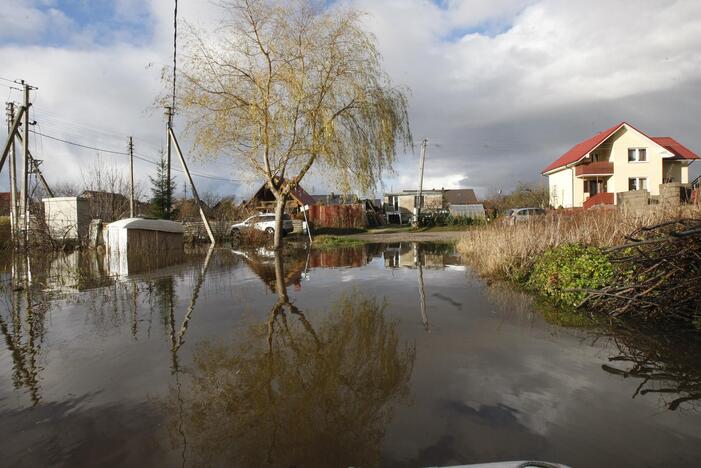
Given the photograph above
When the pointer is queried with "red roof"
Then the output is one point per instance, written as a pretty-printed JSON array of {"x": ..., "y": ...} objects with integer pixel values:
[
  {"x": 580, "y": 150},
  {"x": 672, "y": 145}
]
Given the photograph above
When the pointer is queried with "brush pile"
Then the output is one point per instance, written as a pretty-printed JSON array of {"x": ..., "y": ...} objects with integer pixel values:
[{"x": 658, "y": 275}]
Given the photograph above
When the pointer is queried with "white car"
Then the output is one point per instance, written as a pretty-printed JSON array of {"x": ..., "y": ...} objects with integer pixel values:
[
  {"x": 263, "y": 222},
  {"x": 520, "y": 215}
]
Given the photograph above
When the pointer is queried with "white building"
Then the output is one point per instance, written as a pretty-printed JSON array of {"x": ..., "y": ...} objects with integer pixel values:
[{"x": 616, "y": 160}]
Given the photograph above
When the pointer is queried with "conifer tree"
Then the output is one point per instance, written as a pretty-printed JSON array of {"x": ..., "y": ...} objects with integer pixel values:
[{"x": 162, "y": 190}]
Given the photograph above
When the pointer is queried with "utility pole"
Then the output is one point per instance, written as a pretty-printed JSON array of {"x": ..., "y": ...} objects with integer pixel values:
[
  {"x": 195, "y": 196},
  {"x": 25, "y": 169},
  {"x": 13, "y": 170},
  {"x": 169, "y": 128},
  {"x": 131, "y": 177},
  {"x": 419, "y": 202},
  {"x": 34, "y": 169},
  {"x": 35, "y": 163}
]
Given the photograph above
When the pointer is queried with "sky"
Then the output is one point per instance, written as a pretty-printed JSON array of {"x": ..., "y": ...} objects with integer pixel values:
[{"x": 500, "y": 88}]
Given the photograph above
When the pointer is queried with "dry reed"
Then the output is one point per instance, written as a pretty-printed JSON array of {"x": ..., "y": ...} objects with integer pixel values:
[{"x": 498, "y": 250}]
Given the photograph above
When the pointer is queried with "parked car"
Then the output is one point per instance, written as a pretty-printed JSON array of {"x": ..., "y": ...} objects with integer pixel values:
[
  {"x": 263, "y": 222},
  {"x": 520, "y": 215}
]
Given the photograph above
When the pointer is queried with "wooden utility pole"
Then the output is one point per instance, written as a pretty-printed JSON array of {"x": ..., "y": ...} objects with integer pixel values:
[
  {"x": 195, "y": 196},
  {"x": 25, "y": 168},
  {"x": 131, "y": 177},
  {"x": 419, "y": 202},
  {"x": 13, "y": 170}
]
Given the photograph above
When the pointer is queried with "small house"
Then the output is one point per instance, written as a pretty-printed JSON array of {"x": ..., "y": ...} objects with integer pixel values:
[
  {"x": 264, "y": 201},
  {"x": 399, "y": 206}
]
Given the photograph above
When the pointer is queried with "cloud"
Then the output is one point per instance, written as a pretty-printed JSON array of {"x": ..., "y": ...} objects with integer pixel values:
[
  {"x": 502, "y": 106},
  {"x": 500, "y": 88}
]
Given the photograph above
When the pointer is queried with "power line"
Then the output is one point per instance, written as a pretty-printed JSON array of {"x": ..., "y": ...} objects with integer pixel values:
[
  {"x": 125, "y": 153},
  {"x": 102, "y": 150}
]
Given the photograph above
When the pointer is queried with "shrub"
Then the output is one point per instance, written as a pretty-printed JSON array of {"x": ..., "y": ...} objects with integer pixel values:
[
  {"x": 252, "y": 237},
  {"x": 5, "y": 235},
  {"x": 563, "y": 272}
]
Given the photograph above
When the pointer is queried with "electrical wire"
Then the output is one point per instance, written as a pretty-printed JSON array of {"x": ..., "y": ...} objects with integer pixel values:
[
  {"x": 140, "y": 157},
  {"x": 102, "y": 150}
]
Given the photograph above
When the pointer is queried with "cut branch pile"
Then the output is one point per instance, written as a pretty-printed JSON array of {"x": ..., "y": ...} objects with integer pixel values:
[{"x": 658, "y": 275}]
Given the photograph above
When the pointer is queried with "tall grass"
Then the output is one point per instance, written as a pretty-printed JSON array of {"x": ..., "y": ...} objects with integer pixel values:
[{"x": 498, "y": 250}]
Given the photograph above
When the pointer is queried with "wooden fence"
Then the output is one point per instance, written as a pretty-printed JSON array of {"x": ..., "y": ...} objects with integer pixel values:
[{"x": 338, "y": 216}]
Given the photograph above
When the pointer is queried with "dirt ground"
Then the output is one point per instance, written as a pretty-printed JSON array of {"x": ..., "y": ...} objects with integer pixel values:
[{"x": 408, "y": 236}]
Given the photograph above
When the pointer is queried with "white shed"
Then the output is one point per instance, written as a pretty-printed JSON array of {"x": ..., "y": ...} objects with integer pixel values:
[
  {"x": 138, "y": 244},
  {"x": 67, "y": 217}
]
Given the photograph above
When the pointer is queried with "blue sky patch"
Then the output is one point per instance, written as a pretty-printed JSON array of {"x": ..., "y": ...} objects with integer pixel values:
[{"x": 81, "y": 23}]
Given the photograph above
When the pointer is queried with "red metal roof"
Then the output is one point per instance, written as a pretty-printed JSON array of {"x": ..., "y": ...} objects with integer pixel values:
[
  {"x": 580, "y": 150},
  {"x": 672, "y": 145}
]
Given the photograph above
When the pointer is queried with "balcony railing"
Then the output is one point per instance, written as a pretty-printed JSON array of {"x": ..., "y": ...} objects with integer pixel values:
[
  {"x": 598, "y": 168},
  {"x": 603, "y": 198}
]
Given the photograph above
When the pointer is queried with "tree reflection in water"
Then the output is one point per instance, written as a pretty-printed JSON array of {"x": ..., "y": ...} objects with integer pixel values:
[
  {"x": 298, "y": 395},
  {"x": 668, "y": 366}
]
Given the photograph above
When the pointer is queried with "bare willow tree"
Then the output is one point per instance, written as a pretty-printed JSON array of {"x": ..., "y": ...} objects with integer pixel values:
[{"x": 284, "y": 86}]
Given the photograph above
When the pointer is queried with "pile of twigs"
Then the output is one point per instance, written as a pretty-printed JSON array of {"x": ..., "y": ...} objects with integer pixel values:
[{"x": 659, "y": 274}]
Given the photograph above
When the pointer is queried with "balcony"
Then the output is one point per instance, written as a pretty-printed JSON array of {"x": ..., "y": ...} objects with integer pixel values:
[{"x": 598, "y": 168}]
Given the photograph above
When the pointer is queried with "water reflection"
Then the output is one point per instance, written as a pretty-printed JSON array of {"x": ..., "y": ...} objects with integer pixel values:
[
  {"x": 418, "y": 254},
  {"x": 320, "y": 377},
  {"x": 293, "y": 393},
  {"x": 668, "y": 366}
]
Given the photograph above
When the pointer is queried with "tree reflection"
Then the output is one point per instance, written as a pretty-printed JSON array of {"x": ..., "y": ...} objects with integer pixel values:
[
  {"x": 295, "y": 394},
  {"x": 668, "y": 366}
]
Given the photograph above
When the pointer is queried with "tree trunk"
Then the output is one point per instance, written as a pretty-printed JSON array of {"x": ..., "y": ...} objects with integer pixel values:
[{"x": 279, "y": 212}]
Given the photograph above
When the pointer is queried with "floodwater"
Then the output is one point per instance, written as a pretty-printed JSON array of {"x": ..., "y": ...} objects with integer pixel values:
[{"x": 382, "y": 355}]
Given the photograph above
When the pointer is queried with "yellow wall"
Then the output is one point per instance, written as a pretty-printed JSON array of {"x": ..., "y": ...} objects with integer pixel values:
[{"x": 623, "y": 169}]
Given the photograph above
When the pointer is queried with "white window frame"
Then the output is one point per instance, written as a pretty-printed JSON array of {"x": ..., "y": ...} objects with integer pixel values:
[
  {"x": 639, "y": 184},
  {"x": 637, "y": 155}
]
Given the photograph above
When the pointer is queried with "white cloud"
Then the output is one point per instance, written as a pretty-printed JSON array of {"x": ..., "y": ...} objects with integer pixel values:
[{"x": 500, "y": 88}]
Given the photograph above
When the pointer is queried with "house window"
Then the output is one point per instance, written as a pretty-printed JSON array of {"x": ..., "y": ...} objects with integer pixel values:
[
  {"x": 637, "y": 155},
  {"x": 637, "y": 183},
  {"x": 418, "y": 203}
]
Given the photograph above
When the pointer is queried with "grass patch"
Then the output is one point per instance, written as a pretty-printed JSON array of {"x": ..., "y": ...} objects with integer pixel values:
[
  {"x": 329, "y": 231},
  {"x": 497, "y": 250},
  {"x": 331, "y": 242}
]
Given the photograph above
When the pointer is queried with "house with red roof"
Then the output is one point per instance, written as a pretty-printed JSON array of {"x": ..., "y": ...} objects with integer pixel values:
[{"x": 619, "y": 159}]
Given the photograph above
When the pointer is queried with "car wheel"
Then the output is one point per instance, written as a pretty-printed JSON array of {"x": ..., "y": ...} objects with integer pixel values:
[
  {"x": 270, "y": 230},
  {"x": 235, "y": 232}
]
